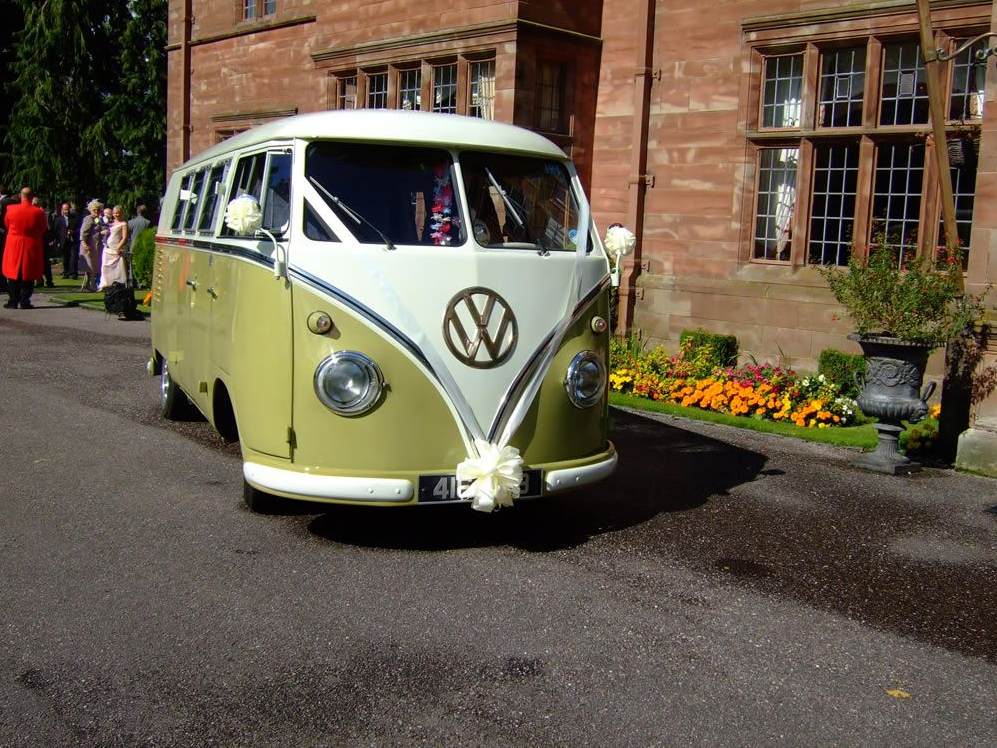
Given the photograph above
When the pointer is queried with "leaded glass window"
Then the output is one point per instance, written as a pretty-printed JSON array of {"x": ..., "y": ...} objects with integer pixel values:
[
  {"x": 377, "y": 91},
  {"x": 445, "y": 88},
  {"x": 836, "y": 170},
  {"x": 410, "y": 89},
  {"x": 782, "y": 91},
  {"x": 776, "y": 203},
  {"x": 842, "y": 86},
  {"x": 348, "y": 92},
  {"x": 482, "y": 79},
  {"x": 550, "y": 92},
  {"x": 905, "y": 89},
  {"x": 968, "y": 78},
  {"x": 896, "y": 204}
]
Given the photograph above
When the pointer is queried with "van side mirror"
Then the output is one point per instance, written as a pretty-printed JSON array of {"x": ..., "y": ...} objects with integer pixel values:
[{"x": 279, "y": 258}]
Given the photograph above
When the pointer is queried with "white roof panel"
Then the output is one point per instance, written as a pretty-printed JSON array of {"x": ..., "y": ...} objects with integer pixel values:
[{"x": 391, "y": 126}]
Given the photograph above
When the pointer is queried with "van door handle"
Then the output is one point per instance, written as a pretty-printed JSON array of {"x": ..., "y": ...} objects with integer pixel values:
[{"x": 192, "y": 283}]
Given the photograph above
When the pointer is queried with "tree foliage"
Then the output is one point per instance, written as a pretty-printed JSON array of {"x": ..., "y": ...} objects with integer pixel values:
[
  {"x": 88, "y": 99},
  {"x": 137, "y": 109}
]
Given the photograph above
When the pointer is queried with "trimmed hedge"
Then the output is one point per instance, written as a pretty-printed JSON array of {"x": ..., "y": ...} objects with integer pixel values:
[
  {"x": 723, "y": 348},
  {"x": 143, "y": 257},
  {"x": 840, "y": 367}
]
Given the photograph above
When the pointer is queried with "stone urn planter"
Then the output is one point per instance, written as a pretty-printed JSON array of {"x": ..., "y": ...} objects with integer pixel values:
[{"x": 891, "y": 392}]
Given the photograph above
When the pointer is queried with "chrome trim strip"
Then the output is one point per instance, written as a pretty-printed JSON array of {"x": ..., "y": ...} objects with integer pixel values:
[
  {"x": 309, "y": 486},
  {"x": 511, "y": 396},
  {"x": 561, "y": 480}
]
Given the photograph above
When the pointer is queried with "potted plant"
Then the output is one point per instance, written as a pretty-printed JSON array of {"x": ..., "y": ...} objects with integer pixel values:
[{"x": 903, "y": 307}]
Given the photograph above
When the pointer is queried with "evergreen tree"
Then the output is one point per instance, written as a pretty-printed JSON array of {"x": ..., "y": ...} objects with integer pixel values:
[
  {"x": 65, "y": 76},
  {"x": 9, "y": 31},
  {"x": 137, "y": 111}
]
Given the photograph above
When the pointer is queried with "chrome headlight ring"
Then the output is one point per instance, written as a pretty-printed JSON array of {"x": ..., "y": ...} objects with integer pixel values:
[
  {"x": 585, "y": 381},
  {"x": 348, "y": 383}
]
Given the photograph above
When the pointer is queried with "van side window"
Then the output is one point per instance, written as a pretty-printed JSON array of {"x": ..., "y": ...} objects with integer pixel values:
[
  {"x": 194, "y": 200},
  {"x": 248, "y": 180},
  {"x": 212, "y": 190},
  {"x": 181, "y": 203},
  {"x": 277, "y": 196},
  {"x": 315, "y": 227}
]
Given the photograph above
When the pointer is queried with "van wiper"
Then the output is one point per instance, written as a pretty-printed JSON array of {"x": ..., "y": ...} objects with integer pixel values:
[
  {"x": 352, "y": 214},
  {"x": 511, "y": 207}
]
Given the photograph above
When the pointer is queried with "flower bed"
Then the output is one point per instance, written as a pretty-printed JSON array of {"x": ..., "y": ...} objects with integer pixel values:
[{"x": 757, "y": 391}]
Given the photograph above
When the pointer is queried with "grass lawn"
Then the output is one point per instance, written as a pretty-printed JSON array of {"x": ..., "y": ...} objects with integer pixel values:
[
  {"x": 68, "y": 292},
  {"x": 848, "y": 436}
]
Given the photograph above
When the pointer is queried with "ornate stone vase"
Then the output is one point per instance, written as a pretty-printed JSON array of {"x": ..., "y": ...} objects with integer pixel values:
[{"x": 891, "y": 392}]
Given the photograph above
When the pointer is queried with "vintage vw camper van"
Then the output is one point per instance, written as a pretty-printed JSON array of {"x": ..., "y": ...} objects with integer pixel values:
[{"x": 387, "y": 308}]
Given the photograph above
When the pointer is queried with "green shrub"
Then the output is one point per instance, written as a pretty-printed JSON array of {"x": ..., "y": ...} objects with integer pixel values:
[
  {"x": 840, "y": 368},
  {"x": 919, "y": 440},
  {"x": 722, "y": 348},
  {"x": 143, "y": 257}
]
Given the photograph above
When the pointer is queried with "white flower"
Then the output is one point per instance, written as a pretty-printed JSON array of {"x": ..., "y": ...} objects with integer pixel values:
[
  {"x": 821, "y": 378},
  {"x": 619, "y": 241},
  {"x": 243, "y": 215},
  {"x": 495, "y": 476}
]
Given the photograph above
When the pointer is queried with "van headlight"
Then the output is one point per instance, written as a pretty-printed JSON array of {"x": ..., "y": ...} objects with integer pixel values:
[
  {"x": 348, "y": 383},
  {"x": 586, "y": 379}
]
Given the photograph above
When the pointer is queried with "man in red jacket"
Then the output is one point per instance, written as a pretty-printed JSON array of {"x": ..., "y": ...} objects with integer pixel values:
[{"x": 24, "y": 252}]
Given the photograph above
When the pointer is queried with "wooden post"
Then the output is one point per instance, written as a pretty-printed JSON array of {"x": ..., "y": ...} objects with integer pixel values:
[{"x": 936, "y": 108}]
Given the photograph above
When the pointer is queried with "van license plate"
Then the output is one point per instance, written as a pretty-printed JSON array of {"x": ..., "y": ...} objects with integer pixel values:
[{"x": 443, "y": 488}]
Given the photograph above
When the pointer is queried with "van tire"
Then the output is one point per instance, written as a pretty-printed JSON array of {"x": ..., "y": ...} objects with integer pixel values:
[
  {"x": 261, "y": 502},
  {"x": 173, "y": 403}
]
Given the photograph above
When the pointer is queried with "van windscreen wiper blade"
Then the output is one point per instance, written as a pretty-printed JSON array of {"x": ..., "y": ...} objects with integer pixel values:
[
  {"x": 351, "y": 213},
  {"x": 513, "y": 212}
]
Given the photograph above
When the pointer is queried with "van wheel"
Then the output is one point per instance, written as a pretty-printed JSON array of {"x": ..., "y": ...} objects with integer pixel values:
[
  {"x": 173, "y": 403},
  {"x": 263, "y": 503}
]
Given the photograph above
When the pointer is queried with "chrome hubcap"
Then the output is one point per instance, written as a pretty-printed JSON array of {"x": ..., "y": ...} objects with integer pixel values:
[{"x": 164, "y": 383}]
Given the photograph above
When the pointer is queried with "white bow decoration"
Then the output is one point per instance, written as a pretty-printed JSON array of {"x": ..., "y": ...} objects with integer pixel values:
[
  {"x": 619, "y": 242},
  {"x": 243, "y": 215},
  {"x": 495, "y": 476}
]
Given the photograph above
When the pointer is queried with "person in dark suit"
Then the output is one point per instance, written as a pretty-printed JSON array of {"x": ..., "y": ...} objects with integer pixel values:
[
  {"x": 48, "y": 242},
  {"x": 66, "y": 225},
  {"x": 137, "y": 225}
]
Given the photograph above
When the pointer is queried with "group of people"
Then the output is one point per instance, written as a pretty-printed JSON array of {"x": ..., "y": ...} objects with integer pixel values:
[{"x": 95, "y": 245}]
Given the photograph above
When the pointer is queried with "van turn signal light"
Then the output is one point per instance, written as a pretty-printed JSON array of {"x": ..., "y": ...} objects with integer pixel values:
[{"x": 319, "y": 323}]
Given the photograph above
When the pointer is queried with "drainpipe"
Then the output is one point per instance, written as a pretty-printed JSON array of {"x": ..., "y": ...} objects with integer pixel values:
[
  {"x": 639, "y": 180},
  {"x": 187, "y": 24}
]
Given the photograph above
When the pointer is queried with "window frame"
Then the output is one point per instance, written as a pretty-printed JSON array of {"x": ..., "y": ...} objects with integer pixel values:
[
  {"x": 868, "y": 135},
  {"x": 257, "y": 10}
]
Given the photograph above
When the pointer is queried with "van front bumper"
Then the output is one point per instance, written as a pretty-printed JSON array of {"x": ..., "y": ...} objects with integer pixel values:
[{"x": 332, "y": 488}]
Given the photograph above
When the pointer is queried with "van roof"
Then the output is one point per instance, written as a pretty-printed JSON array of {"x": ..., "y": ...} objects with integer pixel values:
[{"x": 390, "y": 126}]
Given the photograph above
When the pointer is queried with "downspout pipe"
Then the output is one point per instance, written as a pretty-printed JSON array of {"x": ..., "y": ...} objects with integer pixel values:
[
  {"x": 639, "y": 180},
  {"x": 187, "y": 24}
]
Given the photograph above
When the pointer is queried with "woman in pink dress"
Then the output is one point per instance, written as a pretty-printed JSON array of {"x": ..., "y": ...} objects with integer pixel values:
[
  {"x": 90, "y": 245},
  {"x": 113, "y": 268}
]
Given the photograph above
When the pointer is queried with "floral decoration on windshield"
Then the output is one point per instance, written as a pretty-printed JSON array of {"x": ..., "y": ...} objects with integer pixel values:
[{"x": 442, "y": 206}]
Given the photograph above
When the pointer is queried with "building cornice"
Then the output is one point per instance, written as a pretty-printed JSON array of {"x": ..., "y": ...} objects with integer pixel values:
[
  {"x": 253, "y": 28},
  {"x": 846, "y": 13},
  {"x": 447, "y": 35}
]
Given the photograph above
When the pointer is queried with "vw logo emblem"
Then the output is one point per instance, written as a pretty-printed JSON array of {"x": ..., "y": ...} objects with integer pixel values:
[{"x": 479, "y": 328}]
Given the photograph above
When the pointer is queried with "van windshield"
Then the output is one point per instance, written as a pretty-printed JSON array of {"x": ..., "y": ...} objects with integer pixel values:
[
  {"x": 385, "y": 194},
  {"x": 519, "y": 201}
]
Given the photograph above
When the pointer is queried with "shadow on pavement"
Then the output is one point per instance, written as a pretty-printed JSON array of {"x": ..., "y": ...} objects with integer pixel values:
[{"x": 662, "y": 469}]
